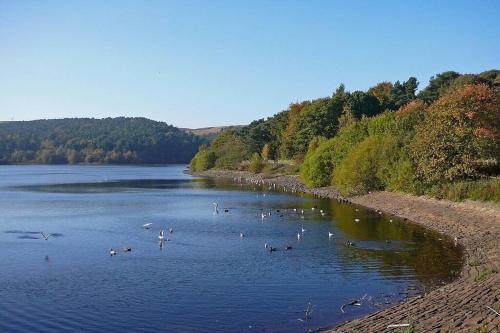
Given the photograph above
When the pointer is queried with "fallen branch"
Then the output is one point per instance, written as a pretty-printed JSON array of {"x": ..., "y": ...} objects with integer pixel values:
[
  {"x": 398, "y": 325},
  {"x": 498, "y": 314}
]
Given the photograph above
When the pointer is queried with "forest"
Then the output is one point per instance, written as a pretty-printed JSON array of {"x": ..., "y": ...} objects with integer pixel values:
[
  {"x": 85, "y": 140},
  {"x": 442, "y": 140}
]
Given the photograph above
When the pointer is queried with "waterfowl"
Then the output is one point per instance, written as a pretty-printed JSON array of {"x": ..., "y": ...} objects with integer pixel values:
[
  {"x": 266, "y": 245},
  {"x": 241, "y": 235},
  {"x": 322, "y": 214},
  {"x": 127, "y": 249},
  {"x": 160, "y": 235},
  {"x": 271, "y": 249},
  {"x": 298, "y": 236},
  {"x": 330, "y": 235},
  {"x": 263, "y": 216},
  {"x": 112, "y": 252},
  {"x": 388, "y": 241},
  {"x": 171, "y": 231},
  {"x": 303, "y": 230},
  {"x": 46, "y": 237},
  {"x": 216, "y": 207},
  {"x": 288, "y": 247},
  {"x": 147, "y": 225},
  {"x": 356, "y": 220},
  {"x": 349, "y": 243},
  {"x": 226, "y": 210}
]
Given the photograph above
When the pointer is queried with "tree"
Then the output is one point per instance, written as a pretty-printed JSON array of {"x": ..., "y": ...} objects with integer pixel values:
[
  {"x": 460, "y": 130},
  {"x": 403, "y": 93},
  {"x": 265, "y": 152},
  {"x": 437, "y": 86}
]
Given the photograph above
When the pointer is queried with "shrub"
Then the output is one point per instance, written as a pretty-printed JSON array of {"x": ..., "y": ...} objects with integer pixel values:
[
  {"x": 255, "y": 163},
  {"x": 203, "y": 160}
]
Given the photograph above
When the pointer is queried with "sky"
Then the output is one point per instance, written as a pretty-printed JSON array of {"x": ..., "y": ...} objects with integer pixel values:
[{"x": 214, "y": 62}]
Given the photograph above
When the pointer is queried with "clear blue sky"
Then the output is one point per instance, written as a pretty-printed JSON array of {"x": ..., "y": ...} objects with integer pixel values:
[{"x": 205, "y": 63}]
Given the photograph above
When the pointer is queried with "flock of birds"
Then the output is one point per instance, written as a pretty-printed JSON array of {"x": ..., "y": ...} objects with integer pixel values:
[
  {"x": 161, "y": 239},
  {"x": 268, "y": 247},
  {"x": 300, "y": 234}
]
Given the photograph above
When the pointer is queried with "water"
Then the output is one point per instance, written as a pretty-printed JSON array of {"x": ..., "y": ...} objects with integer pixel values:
[{"x": 206, "y": 278}]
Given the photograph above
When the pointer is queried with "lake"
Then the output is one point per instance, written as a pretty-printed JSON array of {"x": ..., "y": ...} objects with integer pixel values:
[{"x": 206, "y": 278}]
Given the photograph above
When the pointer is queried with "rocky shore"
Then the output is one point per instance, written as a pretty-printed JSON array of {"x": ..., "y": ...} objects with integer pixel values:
[{"x": 471, "y": 303}]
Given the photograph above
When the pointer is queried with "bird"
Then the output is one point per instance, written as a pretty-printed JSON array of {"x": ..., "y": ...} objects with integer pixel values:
[
  {"x": 295, "y": 209},
  {"x": 112, "y": 252},
  {"x": 330, "y": 235},
  {"x": 322, "y": 213},
  {"x": 216, "y": 207},
  {"x": 171, "y": 230},
  {"x": 356, "y": 220},
  {"x": 313, "y": 208},
  {"x": 160, "y": 236},
  {"x": 226, "y": 210},
  {"x": 387, "y": 241},
  {"x": 45, "y": 236},
  {"x": 288, "y": 247},
  {"x": 266, "y": 245},
  {"x": 303, "y": 230},
  {"x": 321, "y": 210},
  {"x": 302, "y": 211},
  {"x": 349, "y": 243},
  {"x": 147, "y": 225},
  {"x": 271, "y": 249},
  {"x": 127, "y": 249},
  {"x": 390, "y": 221},
  {"x": 298, "y": 236},
  {"x": 241, "y": 235},
  {"x": 263, "y": 216}
]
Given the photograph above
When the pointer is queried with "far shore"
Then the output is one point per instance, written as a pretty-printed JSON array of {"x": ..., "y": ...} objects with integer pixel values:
[{"x": 467, "y": 304}]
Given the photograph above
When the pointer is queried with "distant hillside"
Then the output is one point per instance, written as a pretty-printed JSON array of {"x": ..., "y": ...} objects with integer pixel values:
[
  {"x": 87, "y": 140},
  {"x": 209, "y": 133}
]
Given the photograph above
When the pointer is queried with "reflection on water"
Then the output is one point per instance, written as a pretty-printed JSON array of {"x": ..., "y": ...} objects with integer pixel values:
[{"x": 206, "y": 278}]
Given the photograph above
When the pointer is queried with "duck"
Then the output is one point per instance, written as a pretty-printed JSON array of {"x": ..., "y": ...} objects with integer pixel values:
[
  {"x": 127, "y": 249},
  {"x": 147, "y": 225},
  {"x": 112, "y": 252},
  {"x": 271, "y": 249},
  {"x": 349, "y": 243},
  {"x": 288, "y": 247}
]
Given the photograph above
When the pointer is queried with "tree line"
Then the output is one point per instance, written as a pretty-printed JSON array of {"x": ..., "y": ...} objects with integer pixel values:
[
  {"x": 87, "y": 140},
  {"x": 443, "y": 140}
]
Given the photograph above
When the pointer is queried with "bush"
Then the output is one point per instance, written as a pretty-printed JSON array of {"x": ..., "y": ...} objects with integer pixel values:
[
  {"x": 357, "y": 173},
  {"x": 203, "y": 160},
  {"x": 255, "y": 163},
  {"x": 479, "y": 190}
]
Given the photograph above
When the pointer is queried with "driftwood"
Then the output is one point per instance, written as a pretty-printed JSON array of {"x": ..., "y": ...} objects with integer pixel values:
[
  {"x": 498, "y": 314},
  {"x": 398, "y": 325},
  {"x": 355, "y": 302}
]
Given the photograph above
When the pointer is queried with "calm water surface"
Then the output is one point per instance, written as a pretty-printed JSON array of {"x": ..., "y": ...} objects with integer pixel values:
[{"x": 206, "y": 278}]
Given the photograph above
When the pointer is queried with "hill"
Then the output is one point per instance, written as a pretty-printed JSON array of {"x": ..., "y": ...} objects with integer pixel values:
[
  {"x": 209, "y": 133},
  {"x": 88, "y": 140}
]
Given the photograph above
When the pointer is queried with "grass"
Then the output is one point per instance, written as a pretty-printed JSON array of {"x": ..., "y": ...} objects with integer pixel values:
[
  {"x": 485, "y": 274},
  {"x": 474, "y": 263},
  {"x": 478, "y": 190},
  {"x": 409, "y": 329}
]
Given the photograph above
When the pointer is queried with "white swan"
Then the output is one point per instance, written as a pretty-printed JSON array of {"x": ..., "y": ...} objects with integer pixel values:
[{"x": 147, "y": 225}]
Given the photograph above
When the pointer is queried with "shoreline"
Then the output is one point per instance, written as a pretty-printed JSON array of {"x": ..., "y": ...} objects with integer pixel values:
[{"x": 459, "y": 306}]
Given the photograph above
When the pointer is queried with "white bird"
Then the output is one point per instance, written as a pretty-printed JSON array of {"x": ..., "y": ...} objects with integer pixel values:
[
  {"x": 303, "y": 230},
  {"x": 112, "y": 252},
  {"x": 161, "y": 236},
  {"x": 263, "y": 215},
  {"x": 302, "y": 211},
  {"x": 298, "y": 236},
  {"x": 216, "y": 207},
  {"x": 241, "y": 235},
  {"x": 356, "y": 220},
  {"x": 266, "y": 245},
  {"x": 321, "y": 210},
  {"x": 147, "y": 225},
  {"x": 390, "y": 221},
  {"x": 313, "y": 208},
  {"x": 295, "y": 209},
  {"x": 322, "y": 214},
  {"x": 330, "y": 235}
]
